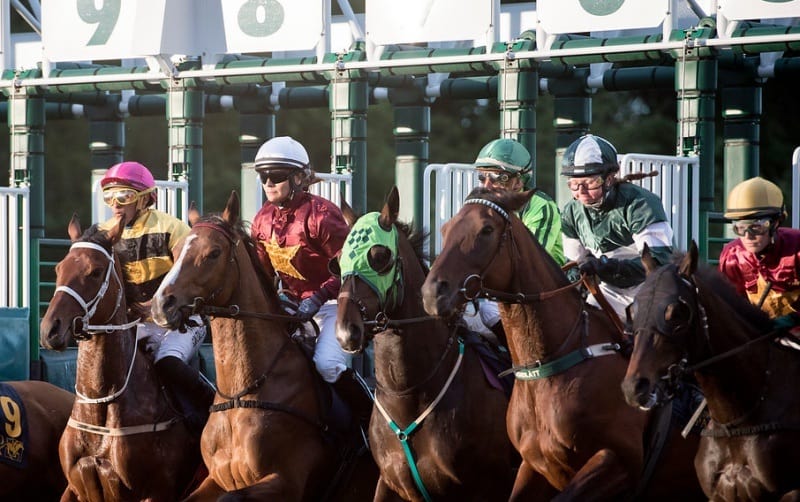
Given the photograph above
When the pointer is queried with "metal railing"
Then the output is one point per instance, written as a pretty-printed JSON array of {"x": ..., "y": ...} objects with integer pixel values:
[
  {"x": 172, "y": 198},
  {"x": 447, "y": 185},
  {"x": 15, "y": 246}
]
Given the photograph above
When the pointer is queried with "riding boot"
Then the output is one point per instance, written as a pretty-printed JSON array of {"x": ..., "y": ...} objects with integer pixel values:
[
  {"x": 355, "y": 393},
  {"x": 192, "y": 392},
  {"x": 500, "y": 333}
]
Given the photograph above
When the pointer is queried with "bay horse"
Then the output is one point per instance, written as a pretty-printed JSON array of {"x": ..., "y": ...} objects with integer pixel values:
[
  {"x": 35, "y": 417},
  {"x": 430, "y": 388},
  {"x": 689, "y": 320},
  {"x": 578, "y": 438},
  {"x": 267, "y": 436},
  {"x": 124, "y": 439}
]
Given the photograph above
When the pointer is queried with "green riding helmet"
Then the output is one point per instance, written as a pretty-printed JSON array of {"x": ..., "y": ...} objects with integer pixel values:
[
  {"x": 589, "y": 155},
  {"x": 507, "y": 155}
]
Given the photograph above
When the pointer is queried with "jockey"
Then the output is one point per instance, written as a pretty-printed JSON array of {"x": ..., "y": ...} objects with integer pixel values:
[
  {"x": 505, "y": 164},
  {"x": 145, "y": 252},
  {"x": 607, "y": 223},
  {"x": 762, "y": 262},
  {"x": 299, "y": 233}
]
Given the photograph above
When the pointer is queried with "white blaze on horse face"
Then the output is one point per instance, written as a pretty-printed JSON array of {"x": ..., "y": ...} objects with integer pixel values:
[{"x": 175, "y": 271}]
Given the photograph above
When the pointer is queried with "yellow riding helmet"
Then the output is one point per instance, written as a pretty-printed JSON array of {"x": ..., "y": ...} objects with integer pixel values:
[{"x": 754, "y": 198}]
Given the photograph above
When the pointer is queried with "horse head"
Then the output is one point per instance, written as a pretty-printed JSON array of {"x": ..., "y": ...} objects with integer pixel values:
[
  {"x": 380, "y": 267},
  {"x": 89, "y": 288},
  {"x": 475, "y": 240},
  {"x": 207, "y": 267}
]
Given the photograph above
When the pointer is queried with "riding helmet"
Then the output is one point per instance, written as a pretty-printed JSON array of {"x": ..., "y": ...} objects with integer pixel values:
[
  {"x": 504, "y": 154},
  {"x": 589, "y": 155},
  {"x": 282, "y": 152},
  {"x": 130, "y": 174},
  {"x": 755, "y": 198}
]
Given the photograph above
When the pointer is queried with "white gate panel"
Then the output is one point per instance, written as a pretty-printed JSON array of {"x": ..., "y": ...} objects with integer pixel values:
[{"x": 15, "y": 241}]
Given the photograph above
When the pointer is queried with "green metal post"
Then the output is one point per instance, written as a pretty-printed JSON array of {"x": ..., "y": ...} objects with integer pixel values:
[
  {"x": 106, "y": 133},
  {"x": 741, "y": 112},
  {"x": 572, "y": 117},
  {"x": 412, "y": 130},
  {"x": 256, "y": 125},
  {"x": 517, "y": 92},
  {"x": 185, "y": 113},
  {"x": 348, "y": 101},
  {"x": 696, "y": 84},
  {"x": 26, "y": 121}
]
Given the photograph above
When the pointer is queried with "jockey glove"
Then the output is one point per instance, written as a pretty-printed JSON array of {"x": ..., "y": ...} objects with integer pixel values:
[
  {"x": 310, "y": 306},
  {"x": 604, "y": 268}
]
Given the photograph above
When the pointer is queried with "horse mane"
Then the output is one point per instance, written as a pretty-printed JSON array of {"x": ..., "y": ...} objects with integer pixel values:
[
  {"x": 711, "y": 279},
  {"x": 95, "y": 235},
  {"x": 417, "y": 240}
]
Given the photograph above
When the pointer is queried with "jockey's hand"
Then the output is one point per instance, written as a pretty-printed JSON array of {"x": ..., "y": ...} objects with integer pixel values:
[
  {"x": 604, "y": 268},
  {"x": 309, "y": 307}
]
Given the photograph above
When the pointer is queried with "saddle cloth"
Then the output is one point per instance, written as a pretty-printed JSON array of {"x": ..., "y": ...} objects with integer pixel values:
[{"x": 13, "y": 429}]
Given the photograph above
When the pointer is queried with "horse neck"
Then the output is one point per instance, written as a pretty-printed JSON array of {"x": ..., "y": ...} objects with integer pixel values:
[
  {"x": 735, "y": 385},
  {"x": 539, "y": 329},
  {"x": 245, "y": 346},
  {"x": 406, "y": 356}
]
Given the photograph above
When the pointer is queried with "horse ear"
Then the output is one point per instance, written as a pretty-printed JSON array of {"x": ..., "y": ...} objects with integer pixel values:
[
  {"x": 650, "y": 264},
  {"x": 688, "y": 264},
  {"x": 194, "y": 214},
  {"x": 231, "y": 212},
  {"x": 390, "y": 209},
  {"x": 74, "y": 228},
  {"x": 115, "y": 233},
  {"x": 348, "y": 213}
]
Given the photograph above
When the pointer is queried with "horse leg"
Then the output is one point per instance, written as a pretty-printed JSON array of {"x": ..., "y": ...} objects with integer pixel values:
[
  {"x": 385, "y": 494},
  {"x": 792, "y": 496},
  {"x": 603, "y": 477},
  {"x": 530, "y": 485},
  {"x": 69, "y": 496},
  {"x": 207, "y": 490},
  {"x": 271, "y": 487}
]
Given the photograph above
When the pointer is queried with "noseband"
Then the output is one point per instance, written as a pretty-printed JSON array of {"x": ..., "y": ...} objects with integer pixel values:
[{"x": 82, "y": 329}]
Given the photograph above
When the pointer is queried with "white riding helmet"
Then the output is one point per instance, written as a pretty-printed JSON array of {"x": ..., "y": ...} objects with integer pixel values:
[{"x": 282, "y": 152}]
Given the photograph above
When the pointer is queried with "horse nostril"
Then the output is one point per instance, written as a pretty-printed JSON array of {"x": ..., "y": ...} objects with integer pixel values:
[{"x": 442, "y": 287}]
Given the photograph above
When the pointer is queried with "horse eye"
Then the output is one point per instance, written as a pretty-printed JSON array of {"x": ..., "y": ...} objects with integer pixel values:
[
  {"x": 96, "y": 273},
  {"x": 487, "y": 230},
  {"x": 214, "y": 254},
  {"x": 380, "y": 259},
  {"x": 676, "y": 313}
]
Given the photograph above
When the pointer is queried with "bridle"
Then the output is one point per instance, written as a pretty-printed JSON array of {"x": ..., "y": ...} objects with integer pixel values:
[{"x": 82, "y": 329}]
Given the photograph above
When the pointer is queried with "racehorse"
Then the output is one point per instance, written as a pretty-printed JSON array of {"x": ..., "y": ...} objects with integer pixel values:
[
  {"x": 454, "y": 444},
  {"x": 31, "y": 428},
  {"x": 567, "y": 416},
  {"x": 268, "y": 434},
  {"x": 124, "y": 439},
  {"x": 689, "y": 319}
]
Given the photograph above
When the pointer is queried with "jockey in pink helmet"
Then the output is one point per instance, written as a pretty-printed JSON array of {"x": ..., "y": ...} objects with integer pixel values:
[{"x": 145, "y": 251}]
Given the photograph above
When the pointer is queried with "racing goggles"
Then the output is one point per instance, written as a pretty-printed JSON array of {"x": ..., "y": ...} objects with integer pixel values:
[
  {"x": 275, "y": 176},
  {"x": 752, "y": 227},
  {"x": 495, "y": 178},
  {"x": 592, "y": 183},
  {"x": 122, "y": 196}
]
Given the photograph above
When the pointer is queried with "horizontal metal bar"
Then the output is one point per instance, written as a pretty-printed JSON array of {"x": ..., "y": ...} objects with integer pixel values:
[{"x": 541, "y": 55}]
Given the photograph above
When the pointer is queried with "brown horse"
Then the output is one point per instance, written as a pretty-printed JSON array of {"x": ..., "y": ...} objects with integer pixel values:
[
  {"x": 687, "y": 315},
  {"x": 567, "y": 417},
  {"x": 455, "y": 445},
  {"x": 46, "y": 410},
  {"x": 124, "y": 441},
  {"x": 267, "y": 436}
]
